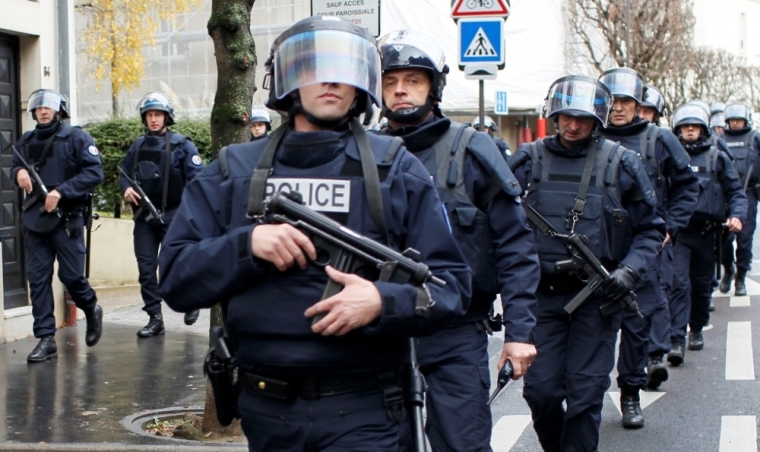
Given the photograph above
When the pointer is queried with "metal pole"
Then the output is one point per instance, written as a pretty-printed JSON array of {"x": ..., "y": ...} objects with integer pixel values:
[
  {"x": 482, "y": 106},
  {"x": 628, "y": 33}
]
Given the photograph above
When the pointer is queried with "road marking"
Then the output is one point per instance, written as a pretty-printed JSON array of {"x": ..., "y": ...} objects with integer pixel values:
[
  {"x": 753, "y": 288},
  {"x": 740, "y": 364},
  {"x": 738, "y": 434},
  {"x": 647, "y": 398},
  {"x": 740, "y": 302},
  {"x": 507, "y": 431}
]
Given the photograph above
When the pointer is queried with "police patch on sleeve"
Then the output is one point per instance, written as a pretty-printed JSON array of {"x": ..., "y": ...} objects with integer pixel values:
[
  {"x": 196, "y": 160},
  {"x": 93, "y": 150}
]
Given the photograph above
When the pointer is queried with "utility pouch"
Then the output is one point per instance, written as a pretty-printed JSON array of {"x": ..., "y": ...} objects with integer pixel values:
[
  {"x": 219, "y": 370},
  {"x": 619, "y": 233},
  {"x": 74, "y": 224}
]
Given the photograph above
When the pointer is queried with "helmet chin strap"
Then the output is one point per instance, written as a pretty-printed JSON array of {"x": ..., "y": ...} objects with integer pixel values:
[
  {"x": 409, "y": 115},
  {"x": 297, "y": 108}
]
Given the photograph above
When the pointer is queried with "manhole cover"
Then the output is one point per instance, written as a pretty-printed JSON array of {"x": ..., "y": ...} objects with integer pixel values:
[{"x": 136, "y": 423}]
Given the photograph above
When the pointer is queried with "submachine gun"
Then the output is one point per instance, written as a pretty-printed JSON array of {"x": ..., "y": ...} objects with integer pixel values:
[
  {"x": 145, "y": 202},
  {"x": 39, "y": 190},
  {"x": 588, "y": 267},
  {"x": 347, "y": 251}
]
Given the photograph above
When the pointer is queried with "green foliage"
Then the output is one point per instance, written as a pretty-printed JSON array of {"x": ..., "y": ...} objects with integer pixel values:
[{"x": 115, "y": 136}]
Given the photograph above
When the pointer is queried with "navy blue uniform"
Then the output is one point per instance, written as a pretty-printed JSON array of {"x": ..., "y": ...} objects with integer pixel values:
[
  {"x": 576, "y": 353},
  {"x": 207, "y": 259},
  {"x": 694, "y": 251},
  {"x": 744, "y": 158},
  {"x": 145, "y": 163},
  {"x": 504, "y": 261},
  {"x": 71, "y": 167},
  {"x": 667, "y": 165},
  {"x": 503, "y": 147}
]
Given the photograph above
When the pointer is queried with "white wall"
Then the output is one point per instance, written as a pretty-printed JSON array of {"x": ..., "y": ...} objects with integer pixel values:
[{"x": 719, "y": 25}]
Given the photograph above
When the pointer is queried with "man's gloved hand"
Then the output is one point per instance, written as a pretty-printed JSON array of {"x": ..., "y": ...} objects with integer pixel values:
[{"x": 621, "y": 281}]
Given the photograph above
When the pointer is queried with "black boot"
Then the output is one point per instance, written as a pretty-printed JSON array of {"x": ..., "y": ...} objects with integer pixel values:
[
  {"x": 696, "y": 341},
  {"x": 94, "y": 325},
  {"x": 155, "y": 326},
  {"x": 676, "y": 354},
  {"x": 633, "y": 416},
  {"x": 741, "y": 289},
  {"x": 191, "y": 317},
  {"x": 725, "y": 281},
  {"x": 657, "y": 371},
  {"x": 44, "y": 350}
]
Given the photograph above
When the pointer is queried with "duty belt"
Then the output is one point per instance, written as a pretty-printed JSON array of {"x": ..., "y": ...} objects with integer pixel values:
[{"x": 308, "y": 388}]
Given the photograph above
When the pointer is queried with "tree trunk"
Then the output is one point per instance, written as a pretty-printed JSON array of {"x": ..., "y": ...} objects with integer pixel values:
[{"x": 230, "y": 28}]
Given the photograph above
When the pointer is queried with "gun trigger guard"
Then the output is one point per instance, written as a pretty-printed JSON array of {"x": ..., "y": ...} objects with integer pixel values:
[{"x": 424, "y": 301}]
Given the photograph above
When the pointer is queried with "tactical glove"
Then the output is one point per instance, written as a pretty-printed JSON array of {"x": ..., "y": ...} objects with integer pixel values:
[{"x": 620, "y": 282}]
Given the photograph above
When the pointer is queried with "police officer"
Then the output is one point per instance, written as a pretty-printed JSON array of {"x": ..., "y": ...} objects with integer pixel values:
[
  {"x": 491, "y": 127},
  {"x": 653, "y": 105},
  {"x": 260, "y": 122},
  {"x": 694, "y": 251},
  {"x": 489, "y": 224},
  {"x": 162, "y": 162},
  {"x": 68, "y": 164},
  {"x": 718, "y": 118},
  {"x": 667, "y": 164},
  {"x": 332, "y": 380},
  {"x": 561, "y": 174},
  {"x": 744, "y": 143}
]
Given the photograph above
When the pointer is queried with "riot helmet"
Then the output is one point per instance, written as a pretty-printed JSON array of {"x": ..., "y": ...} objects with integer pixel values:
[
  {"x": 718, "y": 120},
  {"x": 579, "y": 96},
  {"x": 624, "y": 82},
  {"x": 690, "y": 113},
  {"x": 409, "y": 49},
  {"x": 260, "y": 114},
  {"x": 701, "y": 104},
  {"x": 738, "y": 110},
  {"x": 653, "y": 98},
  {"x": 489, "y": 123},
  {"x": 156, "y": 101},
  {"x": 49, "y": 98},
  {"x": 323, "y": 49},
  {"x": 717, "y": 107}
]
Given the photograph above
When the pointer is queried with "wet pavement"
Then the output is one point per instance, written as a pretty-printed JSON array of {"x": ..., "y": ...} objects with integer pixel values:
[{"x": 80, "y": 398}]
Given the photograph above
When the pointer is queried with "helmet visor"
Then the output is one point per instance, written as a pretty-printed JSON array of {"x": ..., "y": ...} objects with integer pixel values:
[
  {"x": 579, "y": 97},
  {"x": 409, "y": 48},
  {"x": 154, "y": 101},
  {"x": 718, "y": 120},
  {"x": 624, "y": 84},
  {"x": 46, "y": 99},
  {"x": 327, "y": 56},
  {"x": 690, "y": 114},
  {"x": 653, "y": 98},
  {"x": 737, "y": 111}
]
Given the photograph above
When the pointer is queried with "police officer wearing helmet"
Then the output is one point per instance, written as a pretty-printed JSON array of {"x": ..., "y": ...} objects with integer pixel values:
[
  {"x": 718, "y": 118},
  {"x": 619, "y": 220},
  {"x": 482, "y": 200},
  {"x": 162, "y": 162},
  {"x": 653, "y": 105},
  {"x": 714, "y": 138},
  {"x": 667, "y": 165},
  {"x": 260, "y": 123},
  {"x": 744, "y": 143},
  {"x": 68, "y": 163},
  {"x": 491, "y": 127},
  {"x": 336, "y": 371},
  {"x": 694, "y": 251}
]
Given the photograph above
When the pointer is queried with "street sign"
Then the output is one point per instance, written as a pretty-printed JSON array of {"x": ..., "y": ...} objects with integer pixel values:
[
  {"x": 501, "y": 107},
  {"x": 480, "y": 71},
  {"x": 481, "y": 41},
  {"x": 480, "y": 8},
  {"x": 361, "y": 12}
]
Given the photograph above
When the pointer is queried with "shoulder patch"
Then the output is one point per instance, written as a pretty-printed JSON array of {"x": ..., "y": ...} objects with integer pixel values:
[
  {"x": 93, "y": 150},
  {"x": 197, "y": 160}
]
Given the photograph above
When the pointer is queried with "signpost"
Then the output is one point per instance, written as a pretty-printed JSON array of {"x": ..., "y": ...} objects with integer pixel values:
[
  {"x": 481, "y": 44},
  {"x": 361, "y": 12}
]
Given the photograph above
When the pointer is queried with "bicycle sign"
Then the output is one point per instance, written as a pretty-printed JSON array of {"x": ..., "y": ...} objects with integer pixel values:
[{"x": 480, "y": 8}]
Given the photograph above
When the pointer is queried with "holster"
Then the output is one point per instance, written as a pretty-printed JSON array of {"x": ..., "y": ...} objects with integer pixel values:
[{"x": 220, "y": 371}]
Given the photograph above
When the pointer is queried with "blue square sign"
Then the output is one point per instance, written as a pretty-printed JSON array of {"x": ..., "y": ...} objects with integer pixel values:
[
  {"x": 481, "y": 41},
  {"x": 501, "y": 107}
]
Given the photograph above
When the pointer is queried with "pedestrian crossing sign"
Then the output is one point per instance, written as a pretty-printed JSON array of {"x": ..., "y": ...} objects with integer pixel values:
[{"x": 481, "y": 41}]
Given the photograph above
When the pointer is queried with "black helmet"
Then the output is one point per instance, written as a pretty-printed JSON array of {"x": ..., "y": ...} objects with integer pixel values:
[
  {"x": 739, "y": 110},
  {"x": 579, "y": 96},
  {"x": 156, "y": 101},
  {"x": 49, "y": 98},
  {"x": 489, "y": 123},
  {"x": 653, "y": 98},
  {"x": 409, "y": 49},
  {"x": 323, "y": 49},
  {"x": 624, "y": 82},
  {"x": 690, "y": 113}
]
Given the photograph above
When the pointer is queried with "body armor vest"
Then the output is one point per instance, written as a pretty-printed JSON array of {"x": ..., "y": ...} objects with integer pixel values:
[
  {"x": 153, "y": 165},
  {"x": 745, "y": 156},
  {"x": 711, "y": 203}
]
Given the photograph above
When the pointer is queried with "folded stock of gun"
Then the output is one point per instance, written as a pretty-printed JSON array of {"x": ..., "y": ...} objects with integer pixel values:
[
  {"x": 145, "y": 202},
  {"x": 583, "y": 262}
]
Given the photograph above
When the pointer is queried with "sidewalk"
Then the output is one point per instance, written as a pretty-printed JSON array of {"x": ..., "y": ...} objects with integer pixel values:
[{"x": 77, "y": 401}]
